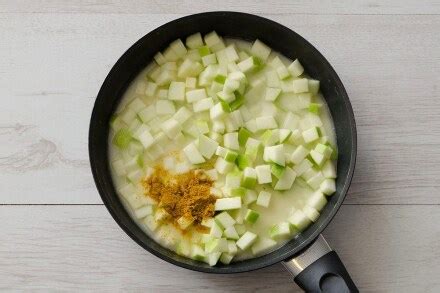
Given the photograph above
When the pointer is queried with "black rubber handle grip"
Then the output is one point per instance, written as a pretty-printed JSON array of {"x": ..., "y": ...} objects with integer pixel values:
[{"x": 327, "y": 274}]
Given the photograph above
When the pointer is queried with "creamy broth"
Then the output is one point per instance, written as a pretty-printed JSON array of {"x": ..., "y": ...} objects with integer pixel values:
[{"x": 282, "y": 203}]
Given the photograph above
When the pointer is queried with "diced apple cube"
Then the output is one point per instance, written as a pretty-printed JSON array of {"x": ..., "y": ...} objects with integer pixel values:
[
  {"x": 161, "y": 215},
  {"x": 284, "y": 135},
  {"x": 299, "y": 220},
  {"x": 217, "y": 111},
  {"x": 202, "y": 126},
  {"x": 311, "y": 213},
  {"x": 264, "y": 199},
  {"x": 143, "y": 211},
  {"x": 203, "y": 105},
  {"x": 316, "y": 180},
  {"x": 276, "y": 62},
  {"x": 212, "y": 39},
  {"x": 265, "y": 122},
  {"x": 150, "y": 223},
  {"x": 282, "y": 72},
  {"x": 272, "y": 94},
  {"x": 249, "y": 177},
  {"x": 287, "y": 87},
  {"x": 171, "y": 128},
  {"x": 231, "y": 53},
  {"x": 207, "y": 222},
  {"x": 221, "y": 56},
  {"x": 128, "y": 115},
  {"x": 147, "y": 114},
  {"x": 164, "y": 107},
  {"x": 159, "y": 58},
  {"x": 232, "y": 67},
  {"x": 228, "y": 155},
  {"x": 243, "y": 55},
  {"x": 299, "y": 155},
  {"x": 226, "y": 258},
  {"x": 178, "y": 48},
  {"x": 300, "y": 85},
  {"x": 264, "y": 174},
  {"x": 136, "y": 105},
  {"x": 286, "y": 180},
  {"x": 231, "y": 85},
  {"x": 191, "y": 82},
  {"x": 218, "y": 126},
  {"x": 303, "y": 167},
  {"x": 194, "y": 41},
  {"x": 216, "y": 230},
  {"x": 184, "y": 222},
  {"x": 213, "y": 258},
  {"x": 325, "y": 150},
  {"x": 182, "y": 115},
  {"x": 223, "y": 166},
  {"x": 304, "y": 100},
  {"x": 275, "y": 154},
  {"x": 233, "y": 179},
  {"x": 176, "y": 91},
  {"x": 207, "y": 146},
  {"x": 313, "y": 86},
  {"x": 189, "y": 68},
  {"x": 310, "y": 135},
  {"x": 193, "y": 154},
  {"x": 195, "y": 95},
  {"x": 230, "y": 140},
  {"x": 217, "y": 245},
  {"x": 251, "y": 216},
  {"x": 249, "y": 197},
  {"x": 225, "y": 220},
  {"x": 246, "y": 240},
  {"x": 232, "y": 247},
  {"x": 230, "y": 203},
  {"x": 171, "y": 66},
  {"x": 260, "y": 50},
  {"x": 248, "y": 64},
  {"x": 329, "y": 170},
  {"x": 227, "y": 97},
  {"x": 209, "y": 59},
  {"x": 318, "y": 158},
  {"x": 146, "y": 138},
  {"x": 328, "y": 186},
  {"x": 165, "y": 77},
  {"x": 295, "y": 68},
  {"x": 317, "y": 200},
  {"x": 197, "y": 253},
  {"x": 170, "y": 55},
  {"x": 272, "y": 79}
]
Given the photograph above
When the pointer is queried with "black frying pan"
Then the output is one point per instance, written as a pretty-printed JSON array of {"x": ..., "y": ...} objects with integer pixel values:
[{"x": 308, "y": 257}]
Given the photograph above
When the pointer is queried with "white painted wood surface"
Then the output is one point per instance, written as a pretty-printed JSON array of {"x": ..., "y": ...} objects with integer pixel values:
[{"x": 54, "y": 232}]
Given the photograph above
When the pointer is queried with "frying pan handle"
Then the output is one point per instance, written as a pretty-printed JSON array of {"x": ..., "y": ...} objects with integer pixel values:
[{"x": 319, "y": 269}]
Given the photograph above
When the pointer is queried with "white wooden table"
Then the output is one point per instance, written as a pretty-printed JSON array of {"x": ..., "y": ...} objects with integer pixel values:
[{"x": 56, "y": 235}]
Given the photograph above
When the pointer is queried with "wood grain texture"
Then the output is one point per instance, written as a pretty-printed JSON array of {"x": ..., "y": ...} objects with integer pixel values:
[
  {"x": 55, "y": 55},
  {"x": 53, "y": 65},
  {"x": 76, "y": 248},
  {"x": 194, "y": 6}
]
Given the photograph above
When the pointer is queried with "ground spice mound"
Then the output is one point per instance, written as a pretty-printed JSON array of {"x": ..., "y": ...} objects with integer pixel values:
[{"x": 187, "y": 194}]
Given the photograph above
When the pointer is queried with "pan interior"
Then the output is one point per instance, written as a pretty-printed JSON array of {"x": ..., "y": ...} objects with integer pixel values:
[{"x": 232, "y": 25}]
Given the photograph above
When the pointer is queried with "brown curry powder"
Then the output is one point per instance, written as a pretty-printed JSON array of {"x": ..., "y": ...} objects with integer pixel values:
[{"x": 187, "y": 194}]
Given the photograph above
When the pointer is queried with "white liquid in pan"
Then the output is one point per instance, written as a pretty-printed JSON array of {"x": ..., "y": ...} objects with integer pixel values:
[{"x": 281, "y": 203}]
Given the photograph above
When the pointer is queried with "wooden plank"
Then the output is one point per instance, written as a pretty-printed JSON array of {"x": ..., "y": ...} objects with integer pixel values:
[
  {"x": 53, "y": 65},
  {"x": 194, "y": 6},
  {"x": 74, "y": 248}
]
